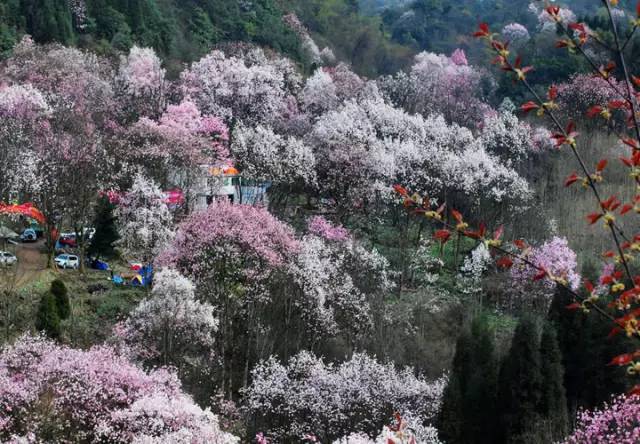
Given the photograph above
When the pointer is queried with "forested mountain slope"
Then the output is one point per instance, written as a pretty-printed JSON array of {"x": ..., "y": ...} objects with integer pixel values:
[{"x": 182, "y": 31}]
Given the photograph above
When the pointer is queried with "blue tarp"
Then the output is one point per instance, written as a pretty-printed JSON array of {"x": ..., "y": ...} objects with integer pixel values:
[{"x": 99, "y": 265}]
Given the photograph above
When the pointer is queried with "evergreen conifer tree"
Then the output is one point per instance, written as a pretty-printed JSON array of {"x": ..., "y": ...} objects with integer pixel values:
[
  {"x": 47, "y": 318},
  {"x": 553, "y": 402},
  {"x": 520, "y": 385},
  {"x": 106, "y": 231},
  {"x": 469, "y": 403},
  {"x": 59, "y": 292}
]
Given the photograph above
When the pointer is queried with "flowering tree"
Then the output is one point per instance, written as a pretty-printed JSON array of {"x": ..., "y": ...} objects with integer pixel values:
[
  {"x": 559, "y": 262},
  {"x": 339, "y": 281},
  {"x": 24, "y": 110},
  {"x": 438, "y": 84},
  {"x": 310, "y": 397},
  {"x": 614, "y": 422},
  {"x": 263, "y": 155},
  {"x": 170, "y": 327},
  {"x": 145, "y": 224},
  {"x": 70, "y": 159},
  {"x": 362, "y": 147},
  {"x": 141, "y": 82},
  {"x": 250, "y": 88},
  {"x": 176, "y": 147},
  {"x": 233, "y": 253},
  {"x": 52, "y": 393}
]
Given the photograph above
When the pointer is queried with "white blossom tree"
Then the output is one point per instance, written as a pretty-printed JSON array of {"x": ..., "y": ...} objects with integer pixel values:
[
  {"x": 145, "y": 223},
  {"x": 310, "y": 397}
]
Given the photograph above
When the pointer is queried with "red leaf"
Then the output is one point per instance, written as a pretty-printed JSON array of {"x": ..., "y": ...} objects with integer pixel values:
[
  {"x": 498, "y": 233},
  {"x": 626, "y": 208},
  {"x": 636, "y": 388},
  {"x": 622, "y": 359},
  {"x": 589, "y": 286},
  {"x": 553, "y": 92},
  {"x": 594, "y": 111},
  {"x": 618, "y": 104},
  {"x": 614, "y": 331},
  {"x": 574, "y": 306},
  {"x": 540, "y": 275},
  {"x": 594, "y": 217},
  {"x": 601, "y": 165},
  {"x": 529, "y": 106},
  {"x": 504, "y": 262},
  {"x": 456, "y": 215},
  {"x": 400, "y": 190},
  {"x": 442, "y": 235},
  {"x": 571, "y": 180},
  {"x": 633, "y": 143},
  {"x": 520, "y": 244}
]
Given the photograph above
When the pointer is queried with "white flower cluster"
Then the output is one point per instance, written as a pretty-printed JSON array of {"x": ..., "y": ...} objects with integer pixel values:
[{"x": 308, "y": 396}]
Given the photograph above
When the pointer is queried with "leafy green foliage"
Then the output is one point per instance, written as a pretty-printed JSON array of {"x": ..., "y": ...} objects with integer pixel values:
[
  {"x": 47, "y": 318},
  {"x": 469, "y": 403},
  {"x": 60, "y": 293},
  {"x": 102, "y": 244}
]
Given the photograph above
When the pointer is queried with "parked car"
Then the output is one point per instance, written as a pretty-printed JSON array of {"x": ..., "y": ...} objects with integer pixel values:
[
  {"x": 7, "y": 258},
  {"x": 29, "y": 235},
  {"x": 68, "y": 240},
  {"x": 67, "y": 261}
]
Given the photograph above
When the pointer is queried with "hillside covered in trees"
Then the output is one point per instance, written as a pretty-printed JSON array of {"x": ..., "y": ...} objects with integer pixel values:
[{"x": 323, "y": 221}]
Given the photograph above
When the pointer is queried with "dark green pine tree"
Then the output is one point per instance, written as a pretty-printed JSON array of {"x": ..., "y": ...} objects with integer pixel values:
[
  {"x": 47, "y": 318},
  {"x": 106, "y": 232},
  {"x": 49, "y": 20},
  {"x": 553, "y": 402},
  {"x": 60, "y": 293},
  {"x": 469, "y": 404},
  {"x": 451, "y": 418},
  {"x": 585, "y": 350},
  {"x": 520, "y": 385}
]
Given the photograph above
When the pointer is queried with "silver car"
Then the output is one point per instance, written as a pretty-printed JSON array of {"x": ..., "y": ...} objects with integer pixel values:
[
  {"x": 67, "y": 261},
  {"x": 7, "y": 258}
]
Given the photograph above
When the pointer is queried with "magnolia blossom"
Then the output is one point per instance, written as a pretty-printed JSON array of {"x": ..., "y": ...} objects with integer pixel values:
[
  {"x": 171, "y": 326},
  {"x": 264, "y": 155},
  {"x": 338, "y": 280},
  {"x": 506, "y": 136},
  {"x": 557, "y": 259},
  {"x": 363, "y": 147},
  {"x": 308, "y": 396},
  {"x": 144, "y": 221},
  {"x": 94, "y": 396},
  {"x": 22, "y": 101},
  {"x": 438, "y": 84},
  {"x": 252, "y": 88},
  {"x": 320, "y": 226},
  {"x": 614, "y": 422},
  {"x": 245, "y": 241},
  {"x": 141, "y": 72},
  {"x": 516, "y": 34}
]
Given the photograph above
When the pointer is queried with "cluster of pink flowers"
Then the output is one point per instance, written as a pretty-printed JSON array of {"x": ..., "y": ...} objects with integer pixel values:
[
  {"x": 227, "y": 230},
  {"x": 556, "y": 258},
  {"x": 320, "y": 226},
  {"x": 93, "y": 395},
  {"x": 583, "y": 91},
  {"x": 617, "y": 422}
]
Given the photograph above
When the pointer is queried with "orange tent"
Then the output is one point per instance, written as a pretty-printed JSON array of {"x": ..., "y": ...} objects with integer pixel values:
[{"x": 26, "y": 209}]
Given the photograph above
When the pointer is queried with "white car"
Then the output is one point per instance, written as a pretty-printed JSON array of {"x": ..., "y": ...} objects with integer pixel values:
[
  {"x": 7, "y": 258},
  {"x": 67, "y": 261}
]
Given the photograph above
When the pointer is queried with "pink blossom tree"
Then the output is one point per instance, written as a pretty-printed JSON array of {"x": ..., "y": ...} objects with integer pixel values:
[
  {"x": 234, "y": 254},
  {"x": 616, "y": 422},
  {"x": 141, "y": 83},
  {"x": 51, "y": 392}
]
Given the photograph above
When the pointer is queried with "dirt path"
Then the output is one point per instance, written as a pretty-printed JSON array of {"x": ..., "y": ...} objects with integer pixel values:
[{"x": 31, "y": 263}]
